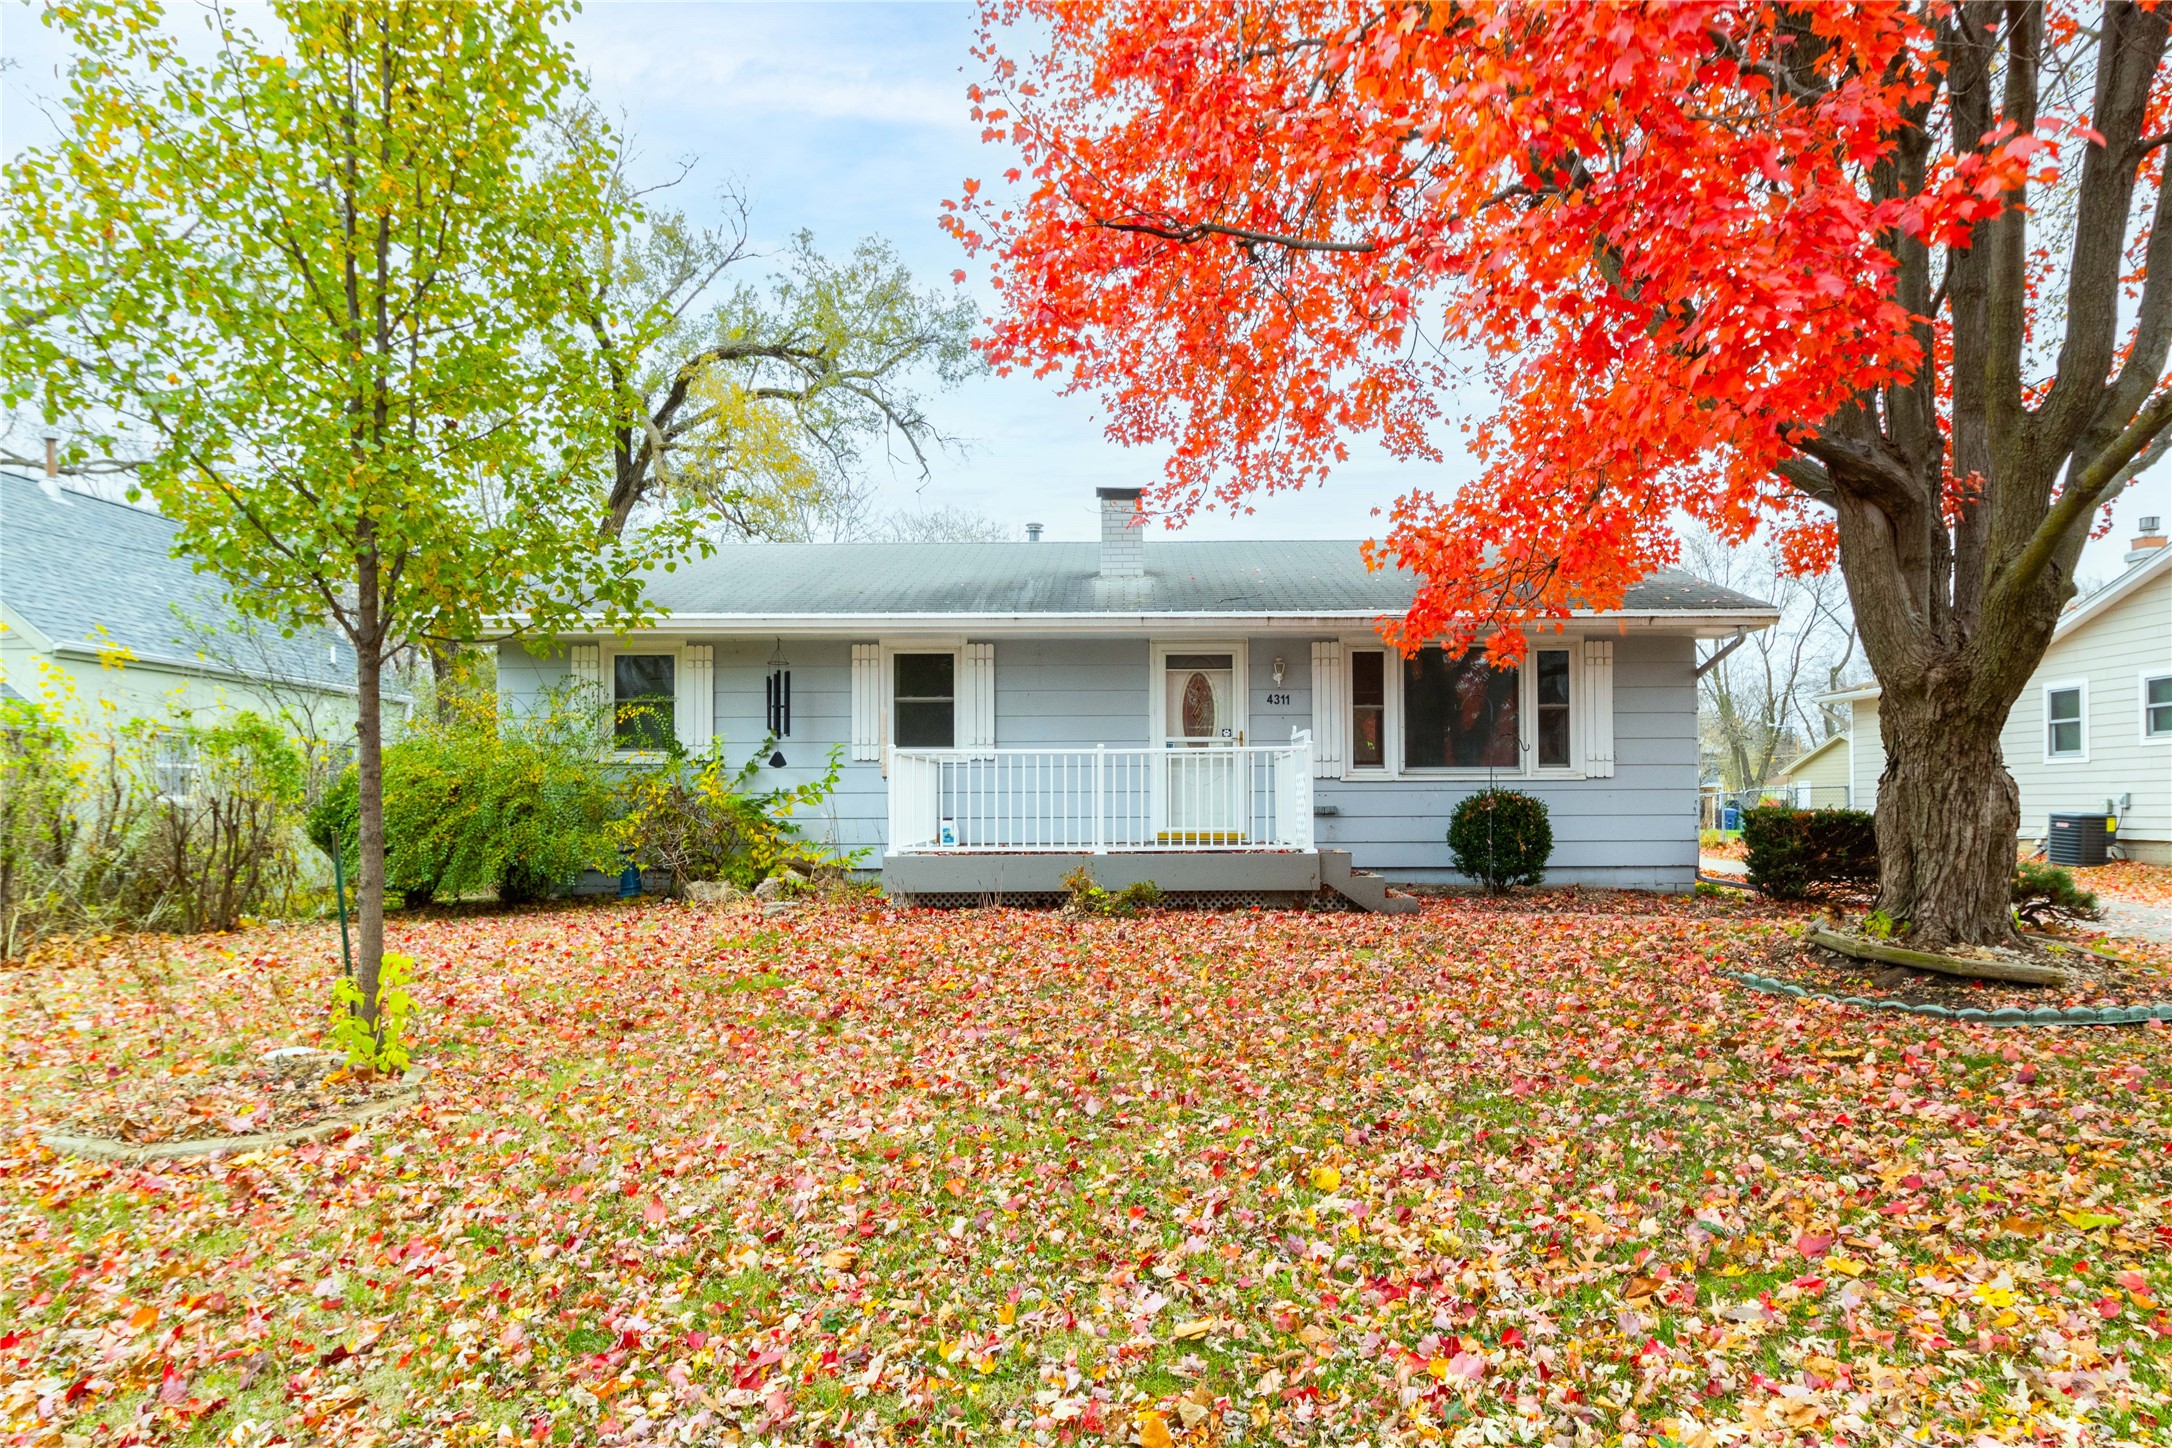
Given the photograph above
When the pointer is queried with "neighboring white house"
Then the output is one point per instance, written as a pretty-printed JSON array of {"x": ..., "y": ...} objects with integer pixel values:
[
  {"x": 98, "y": 615},
  {"x": 1818, "y": 777},
  {"x": 2093, "y": 729},
  {"x": 1217, "y": 716}
]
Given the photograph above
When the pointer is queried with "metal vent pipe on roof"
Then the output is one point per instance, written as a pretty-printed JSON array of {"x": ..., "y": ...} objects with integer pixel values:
[
  {"x": 2148, "y": 539},
  {"x": 1033, "y": 532},
  {"x": 52, "y": 456}
]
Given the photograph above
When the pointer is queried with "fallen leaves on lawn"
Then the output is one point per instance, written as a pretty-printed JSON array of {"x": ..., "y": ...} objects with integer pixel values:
[{"x": 1522, "y": 1171}]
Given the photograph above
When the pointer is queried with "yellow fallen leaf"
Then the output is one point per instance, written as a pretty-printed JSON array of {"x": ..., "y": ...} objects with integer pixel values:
[
  {"x": 1153, "y": 1432},
  {"x": 1846, "y": 1266},
  {"x": 2088, "y": 1221},
  {"x": 1197, "y": 1327},
  {"x": 1326, "y": 1178},
  {"x": 1007, "y": 1313},
  {"x": 1438, "y": 1367}
]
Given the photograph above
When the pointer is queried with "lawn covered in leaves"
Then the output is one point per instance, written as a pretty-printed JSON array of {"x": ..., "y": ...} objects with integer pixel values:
[{"x": 1522, "y": 1173}]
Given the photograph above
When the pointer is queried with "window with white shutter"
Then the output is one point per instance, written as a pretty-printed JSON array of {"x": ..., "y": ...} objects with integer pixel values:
[
  {"x": 1598, "y": 708},
  {"x": 976, "y": 697},
  {"x": 697, "y": 697},
  {"x": 1327, "y": 706},
  {"x": 867, "y": 702}
]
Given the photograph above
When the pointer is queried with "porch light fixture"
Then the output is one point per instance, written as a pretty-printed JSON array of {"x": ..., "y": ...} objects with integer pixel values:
[{"x": 1278, "y": 672}]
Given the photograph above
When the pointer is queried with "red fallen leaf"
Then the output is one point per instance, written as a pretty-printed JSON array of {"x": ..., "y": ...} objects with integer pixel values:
[
  {"x": 8, "y": 1340},
  {"x": 653, "y": 1213},
  {"x": 2109, "y": 1307},
  {"x": 1814, "y": 1244},
  {"x": 76, "y": 1390},
  {"x": 173, "y": 1387},
  {"x": 1512, "y": 1338}
]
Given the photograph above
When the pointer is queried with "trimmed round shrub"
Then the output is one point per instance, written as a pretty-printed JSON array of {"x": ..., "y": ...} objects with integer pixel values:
[
  {"x": 1501, "y": 838},
  {"x": 1792, "y": 852}
]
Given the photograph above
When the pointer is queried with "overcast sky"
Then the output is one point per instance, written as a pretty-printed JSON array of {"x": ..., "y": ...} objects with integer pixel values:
[{"x": 850, "y": 120}]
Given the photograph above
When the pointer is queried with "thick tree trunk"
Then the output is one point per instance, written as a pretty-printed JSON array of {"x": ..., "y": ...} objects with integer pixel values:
[
  {"x": 370, "y": 779},
  {"x": 1948, "y": 816}
]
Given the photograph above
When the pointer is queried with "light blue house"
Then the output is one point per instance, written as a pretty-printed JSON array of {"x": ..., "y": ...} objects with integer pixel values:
[{"x": 1218, "y": 717}]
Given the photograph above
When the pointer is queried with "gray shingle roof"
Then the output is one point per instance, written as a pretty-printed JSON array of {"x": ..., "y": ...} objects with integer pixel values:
[
  {"x": 1301, "y": 577},
  {"x": 72, "y": 564}
]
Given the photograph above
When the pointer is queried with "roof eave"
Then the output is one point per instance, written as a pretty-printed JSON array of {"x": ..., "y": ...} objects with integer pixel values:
[{"x": 1699, "y": 621}]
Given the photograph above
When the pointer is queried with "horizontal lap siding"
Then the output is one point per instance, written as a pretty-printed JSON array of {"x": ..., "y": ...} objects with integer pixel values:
[
  {"x": 857, "y": 814},
  {"x": 2112, "y": 652},
  {"x": 524, "y": 679},
  {"x": 1638, "y": 828},
  {"x": 1071, "y": 693}
]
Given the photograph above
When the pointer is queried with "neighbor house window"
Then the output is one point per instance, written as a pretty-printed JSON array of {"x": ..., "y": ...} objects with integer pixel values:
[
  {"x": 2157, "y": 707},
  {"x": 1368, "y": 710},
  {"x": 1553, "y": 708},
  {"x": 174, "y": 766},
  {"x": 644, "y": 699},
  {"x": 926, "y": 697},
  {"x": 2063, "y": 721},
  {"x": 1458, "y": 711}
]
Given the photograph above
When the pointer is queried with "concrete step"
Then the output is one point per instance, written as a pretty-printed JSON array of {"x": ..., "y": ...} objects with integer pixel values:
[{"x": 1361, "y": 887}]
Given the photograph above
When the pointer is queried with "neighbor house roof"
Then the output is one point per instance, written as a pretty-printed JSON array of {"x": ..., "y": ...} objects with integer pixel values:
[
  {"x": 1837, "y": 741},
  {"x": 89, "y": 573},
  {"x": 2080, "y": 613},
  {"x": 1046, "y": 582}
]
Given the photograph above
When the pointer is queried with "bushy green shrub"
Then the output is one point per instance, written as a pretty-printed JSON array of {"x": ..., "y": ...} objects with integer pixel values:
[
  {"x": 148, "y": 824},
  {"x": 2044, "y": 893},
  {"x": 473, "y": 804},
  {"x": 699, "y": 818},
  {"x": 1502, "y": 838},
  {"x": 1792, "y": 852},
  {"x": 1088, "y": 898}
]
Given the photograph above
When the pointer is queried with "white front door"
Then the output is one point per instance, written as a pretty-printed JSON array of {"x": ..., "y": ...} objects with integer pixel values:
[{"x": 1203, "y": 788}]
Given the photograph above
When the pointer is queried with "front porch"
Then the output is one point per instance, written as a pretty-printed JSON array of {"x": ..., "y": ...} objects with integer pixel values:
[{"x": 1204, "y": 821}]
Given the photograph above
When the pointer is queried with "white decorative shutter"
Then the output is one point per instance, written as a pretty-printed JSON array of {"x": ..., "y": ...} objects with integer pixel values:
[
  {"x": 976, "y": 697},
  {"x": 697, "y": 697},
  {"x": 585, "y": 661},
  {"x": 867, "y": 701},
  {"x": 1327, "y": 708},
  {"x": 1598, "y": 709}
]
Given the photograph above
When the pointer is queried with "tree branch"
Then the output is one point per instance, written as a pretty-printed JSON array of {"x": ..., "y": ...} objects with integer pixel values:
[{"x": 1185, "y": 233}]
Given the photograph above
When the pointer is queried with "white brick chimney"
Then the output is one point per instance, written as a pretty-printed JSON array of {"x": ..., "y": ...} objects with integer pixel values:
[{"x": 1123, "y": 548}]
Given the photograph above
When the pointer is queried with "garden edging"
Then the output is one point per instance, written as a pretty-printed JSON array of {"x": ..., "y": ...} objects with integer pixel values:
[
  {"x": 102, "y": 1148},
  {"x": 1972, "y": 1015}
]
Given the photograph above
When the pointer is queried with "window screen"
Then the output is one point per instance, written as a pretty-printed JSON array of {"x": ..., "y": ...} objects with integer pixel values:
[
  {"x": 2063, "y": 708},
  {"x": 1458, "y": 712},
  {"x": 1553, "y": 708},
  {"x": 644, "y": 690},
  {"x": 2157, "y": 707},
  {"x": 925, "y": 694},
  {"x": 1368, "y": 709}
]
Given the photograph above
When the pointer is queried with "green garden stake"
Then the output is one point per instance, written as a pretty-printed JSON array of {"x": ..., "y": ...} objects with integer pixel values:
[{"x": 339, "y": 893}]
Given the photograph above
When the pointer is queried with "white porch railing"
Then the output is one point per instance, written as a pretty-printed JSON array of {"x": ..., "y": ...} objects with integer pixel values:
[{"x": 1212, "y": 797}]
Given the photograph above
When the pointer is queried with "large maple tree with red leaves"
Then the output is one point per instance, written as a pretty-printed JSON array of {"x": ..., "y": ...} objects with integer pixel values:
[{"x": 1882, "y": 278}]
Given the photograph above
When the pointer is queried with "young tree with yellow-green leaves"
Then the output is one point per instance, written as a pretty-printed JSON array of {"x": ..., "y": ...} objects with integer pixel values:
[{"x": 332, "y": 282}]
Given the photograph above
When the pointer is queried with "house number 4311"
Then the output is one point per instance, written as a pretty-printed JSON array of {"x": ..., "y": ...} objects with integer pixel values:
[{"x": 1278, "y": 699}]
